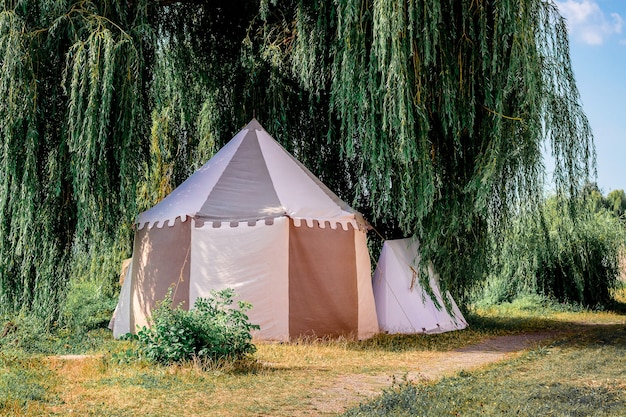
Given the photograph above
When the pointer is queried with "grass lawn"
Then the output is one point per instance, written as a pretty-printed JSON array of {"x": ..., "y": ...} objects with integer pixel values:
[
  {"x": 580, "y": 371},
  {"x": 583, "y": 375}
]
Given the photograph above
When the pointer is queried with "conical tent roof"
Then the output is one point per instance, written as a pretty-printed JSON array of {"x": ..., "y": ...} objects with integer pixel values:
[
  {"x": 402, "y": 304},
  {"x": 252, "y": 178}
]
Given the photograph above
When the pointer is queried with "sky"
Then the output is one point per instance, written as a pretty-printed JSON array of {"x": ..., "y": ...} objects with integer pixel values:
[{"x": 597, "y": 32}]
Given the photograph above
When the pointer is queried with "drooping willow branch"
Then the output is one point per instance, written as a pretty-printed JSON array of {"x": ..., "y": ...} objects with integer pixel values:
[{"x": 429, "y": 116}]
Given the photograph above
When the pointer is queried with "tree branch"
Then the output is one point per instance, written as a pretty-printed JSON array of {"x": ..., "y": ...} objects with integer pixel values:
[{"x": 168, "y": 2}]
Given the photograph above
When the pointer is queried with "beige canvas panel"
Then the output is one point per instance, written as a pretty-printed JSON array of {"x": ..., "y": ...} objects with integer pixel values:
[
  {"x": 368, "y": 320},
  {"x": 323, "y": 299},
  {"x": 245, "y": 190},
  {"x": 160, "y": 259}
]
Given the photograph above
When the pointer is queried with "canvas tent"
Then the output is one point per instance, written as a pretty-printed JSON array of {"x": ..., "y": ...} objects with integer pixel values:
[
  {"x": 254, "y": 219},
  {"x": 402, "y": 305}
]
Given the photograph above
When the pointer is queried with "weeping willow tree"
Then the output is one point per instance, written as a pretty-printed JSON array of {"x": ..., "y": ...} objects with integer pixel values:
[
  {"x": 72, "y": 116},
  {"x": 429, "y": 116},
  {"x": 444, "y": 108},
  {"x": 467, "y": 93}
]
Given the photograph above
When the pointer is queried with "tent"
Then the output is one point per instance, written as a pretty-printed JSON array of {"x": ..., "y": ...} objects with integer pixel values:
[
  {"x": 254, "y": 219},
  {"x": 402, "y": 305}
]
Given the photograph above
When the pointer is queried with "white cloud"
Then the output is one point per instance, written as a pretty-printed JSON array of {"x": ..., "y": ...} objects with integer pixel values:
[{"x": 587, "y": 23}]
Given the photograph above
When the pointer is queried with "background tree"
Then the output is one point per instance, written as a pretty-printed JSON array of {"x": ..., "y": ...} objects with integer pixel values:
[
  {"x": 568, "y": 251},
  {"x": 429, "y": 116},
  {"x": 616, "y": 202}
]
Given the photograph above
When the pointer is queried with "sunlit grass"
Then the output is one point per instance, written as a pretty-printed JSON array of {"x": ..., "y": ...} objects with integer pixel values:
[{"x": 26, "y": 383}]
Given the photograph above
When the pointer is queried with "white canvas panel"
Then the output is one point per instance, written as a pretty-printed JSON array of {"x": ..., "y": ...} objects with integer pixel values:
[
  {"x": 419, "y": 309},
  {"x": 392, "y": 317},
  {"x": 120, "y": 323},
  {"x": 254, "y": 261},
  {"x": 368, "y": 321},
  {"x": 381, "y": 293},
  {"x": 456, "y": 320},
  {"x": 189, "y": 197},
  {"x": 301, "y": 196},
  {"x": 446, "y": 321}
]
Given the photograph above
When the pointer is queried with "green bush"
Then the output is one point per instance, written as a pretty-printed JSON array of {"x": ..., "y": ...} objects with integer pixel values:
[
  {"x": 212, "y": 330},
  {"x": 87, "y": 306},
  {"x": 26, "y": 332},
  {"x": 29, "y": 333},
  {"x": 79, "y": 326}
]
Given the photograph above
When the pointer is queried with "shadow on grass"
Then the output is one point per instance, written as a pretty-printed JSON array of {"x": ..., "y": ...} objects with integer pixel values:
[
  {"x": 480, "y": 328},
  {"x": 483, "y": 327},
  {"x": 617, "y": 307}
]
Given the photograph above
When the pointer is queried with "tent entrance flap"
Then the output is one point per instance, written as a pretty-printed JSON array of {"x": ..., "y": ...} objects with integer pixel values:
[
  {"x": 323, "y": 297},
  {"x": 252, "y": 260}
]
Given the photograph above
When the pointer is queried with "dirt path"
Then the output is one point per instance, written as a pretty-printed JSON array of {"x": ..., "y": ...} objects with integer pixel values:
[{"x": 349, "y": 390}]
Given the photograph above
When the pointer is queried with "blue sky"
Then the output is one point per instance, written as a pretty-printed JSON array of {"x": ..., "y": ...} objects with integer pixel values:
[{"x": 597, "y": 31}]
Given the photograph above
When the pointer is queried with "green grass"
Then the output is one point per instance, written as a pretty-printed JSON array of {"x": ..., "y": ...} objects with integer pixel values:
[
  {"x": 578, "y": 376},
  {"x": 25, "y": 382},
  {"x": 578, "y": 373}
]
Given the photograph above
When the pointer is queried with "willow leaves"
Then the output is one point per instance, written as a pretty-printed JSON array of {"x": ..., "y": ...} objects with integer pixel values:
[
  {"x": 429, "y": 116},
  {"x": 72, "y": 79}
]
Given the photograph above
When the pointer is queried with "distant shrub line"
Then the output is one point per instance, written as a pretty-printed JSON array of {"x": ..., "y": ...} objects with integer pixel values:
[{"x": 569, "y": 252}]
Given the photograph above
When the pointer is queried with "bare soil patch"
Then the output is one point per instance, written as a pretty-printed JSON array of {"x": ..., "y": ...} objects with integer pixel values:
[{"x": 75, "y": 357}]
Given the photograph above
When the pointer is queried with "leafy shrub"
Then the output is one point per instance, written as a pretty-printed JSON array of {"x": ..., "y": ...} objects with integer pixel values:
[
  {"x": 78, "y": 326},
  {"x": 212, "y": 330},
  {"x": 29, "y": 333},
  {"x": 87, "y": 306}
]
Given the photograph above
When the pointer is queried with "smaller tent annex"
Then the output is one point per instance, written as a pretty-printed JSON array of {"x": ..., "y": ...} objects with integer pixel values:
[
  {"x": 254, "y": 219},
  {"x": 402, "y": 305}
]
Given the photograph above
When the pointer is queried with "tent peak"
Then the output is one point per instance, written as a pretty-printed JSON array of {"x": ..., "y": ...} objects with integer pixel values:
[{"x": 254, "y": 125}]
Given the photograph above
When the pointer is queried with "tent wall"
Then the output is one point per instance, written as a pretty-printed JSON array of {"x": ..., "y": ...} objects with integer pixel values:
[
  {"x": 160, "y": 260},
  {"x": 300, "y": 280},
  {"x": 120, "y": 322},
  {"x": 255, "y": 219},
  {"x": 253, "y": 260},
  {"x": 402, "y": 305},
  {"x": 368, "y": 320},
  {"x": 323, "y": 297}
]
